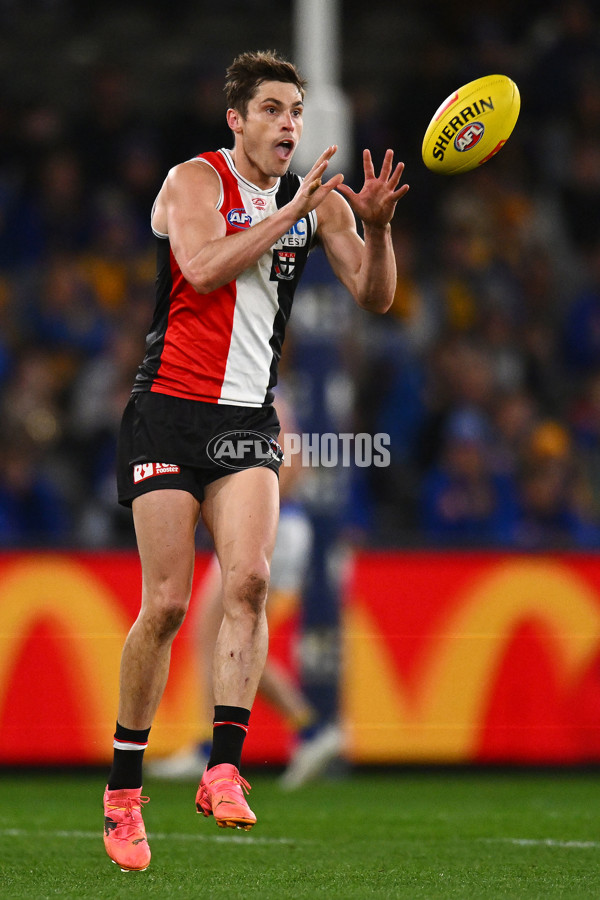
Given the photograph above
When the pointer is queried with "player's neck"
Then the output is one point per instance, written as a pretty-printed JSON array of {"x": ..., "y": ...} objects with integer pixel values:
[{"x": 250, "y": 171}]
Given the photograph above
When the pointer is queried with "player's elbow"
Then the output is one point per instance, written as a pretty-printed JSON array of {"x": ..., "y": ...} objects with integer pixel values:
[
  {"x": 375, "y": 303},
  {"x": 373, "y": 294},
  {"x": 204, "y": 285},
  {"x": 200, "y": 278}
]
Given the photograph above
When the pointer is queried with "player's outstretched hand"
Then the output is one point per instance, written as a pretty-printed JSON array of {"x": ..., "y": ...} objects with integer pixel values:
[
  {"x": 312, "y": 191},
  {"x": 376, "y": 202}
]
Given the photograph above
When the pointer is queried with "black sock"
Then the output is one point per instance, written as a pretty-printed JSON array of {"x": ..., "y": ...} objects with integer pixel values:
[
  {"x": 129, "y": 746},
  {"x": 230, "y": 725}
]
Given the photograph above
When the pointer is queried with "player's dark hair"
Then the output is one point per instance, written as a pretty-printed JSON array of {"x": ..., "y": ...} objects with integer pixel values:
[{"x": 249, "y": 70}]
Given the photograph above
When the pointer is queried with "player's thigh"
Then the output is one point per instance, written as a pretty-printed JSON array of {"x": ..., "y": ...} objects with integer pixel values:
[
  {"x": 241, "y": 512},
  {"x": 165, "y": 525}
]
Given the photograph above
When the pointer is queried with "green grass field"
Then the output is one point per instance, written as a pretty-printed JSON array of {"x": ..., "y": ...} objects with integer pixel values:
[{"x": 397, "y": 834}]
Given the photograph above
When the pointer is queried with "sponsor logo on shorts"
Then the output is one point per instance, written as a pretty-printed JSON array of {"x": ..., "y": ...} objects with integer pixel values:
[
  {"x": 142, "y": 471},
  {"x": 468, "y": 136},
  {"x": 244, "y": 450}
]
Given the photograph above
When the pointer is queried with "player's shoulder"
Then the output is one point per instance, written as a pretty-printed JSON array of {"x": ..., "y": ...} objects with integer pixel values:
[
  {"x": 195, "y": 174},
  {"x": 196, "y": 167}
]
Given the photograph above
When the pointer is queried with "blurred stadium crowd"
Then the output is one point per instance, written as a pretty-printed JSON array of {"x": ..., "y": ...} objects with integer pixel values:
[{"x": 485, "y": 374}]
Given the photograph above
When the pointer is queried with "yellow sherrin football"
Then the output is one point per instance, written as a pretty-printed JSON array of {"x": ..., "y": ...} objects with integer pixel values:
[{"x": 471, "y": 125}]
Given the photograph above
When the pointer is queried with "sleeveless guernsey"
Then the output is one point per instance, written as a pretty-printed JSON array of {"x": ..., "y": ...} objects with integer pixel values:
[{"x": 224, "y": 347}]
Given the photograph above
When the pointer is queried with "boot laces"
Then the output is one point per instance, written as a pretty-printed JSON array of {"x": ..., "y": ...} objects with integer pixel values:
[
  {"x": 129, "y": 805},
  {"x": 237, "y": 779}
]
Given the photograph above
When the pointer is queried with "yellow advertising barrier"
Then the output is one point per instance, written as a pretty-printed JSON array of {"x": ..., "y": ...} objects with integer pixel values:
[
  {"x": 85, "y": 621},
  {"x": 442, "y": 716},
  {"x": 447, "y": 658}
]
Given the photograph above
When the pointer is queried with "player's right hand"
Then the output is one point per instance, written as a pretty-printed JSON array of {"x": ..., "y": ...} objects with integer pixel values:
[{"x": 312, "y": 191}]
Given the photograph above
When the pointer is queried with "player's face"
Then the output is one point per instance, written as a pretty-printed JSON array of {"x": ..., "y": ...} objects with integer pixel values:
[{"x": 266, "y": 138}]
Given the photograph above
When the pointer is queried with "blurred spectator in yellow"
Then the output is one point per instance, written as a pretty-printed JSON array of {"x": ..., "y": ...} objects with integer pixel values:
[{"x": 554, "y": 497}]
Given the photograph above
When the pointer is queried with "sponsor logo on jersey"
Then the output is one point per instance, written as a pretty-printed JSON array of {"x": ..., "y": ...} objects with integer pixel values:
[
  {"x": 239, "y": 218},
  {"x": 296, "y": 237},
  {"x": 259, "y": 203},
  {"x": 468, "y": 136},
  {"x": 142, "y": 471},
  {"x": 284, "y": 264},
  {"x": 299, "y": 228},
  {"x": 244, "y": 449}
]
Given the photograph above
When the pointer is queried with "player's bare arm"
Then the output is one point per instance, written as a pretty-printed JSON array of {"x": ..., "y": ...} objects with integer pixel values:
[
  {"x": 208, "y": 258},
  {"x": 367, "y": 268}
]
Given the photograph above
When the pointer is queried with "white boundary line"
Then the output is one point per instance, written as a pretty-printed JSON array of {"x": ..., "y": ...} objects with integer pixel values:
[
  {"x": 251, "y": 839},
  {"x": 152, "y": 836},
  {"x": 544, "y": 842}
]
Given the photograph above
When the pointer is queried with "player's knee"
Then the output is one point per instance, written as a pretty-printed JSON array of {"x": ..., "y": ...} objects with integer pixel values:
[
  {"x": 167, "y": 613},
  {"x": 251, "y": 591},
  {"x": 169, "y": 621}
]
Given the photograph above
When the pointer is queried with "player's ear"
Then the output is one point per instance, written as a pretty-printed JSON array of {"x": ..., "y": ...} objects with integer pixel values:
[{"x": 234, "y": 120}]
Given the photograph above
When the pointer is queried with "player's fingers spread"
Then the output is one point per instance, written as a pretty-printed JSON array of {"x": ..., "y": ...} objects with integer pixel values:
[
  {"x": 326, "y": 155},
  {"x": 386, "y": 166},
  {"x": 345, "y": 190},
  {"x": 396, "y": 174},
  {"x": 333, "y": 182},
  {"x": 336, "y": 181},
  {"x": 316, "y": 171},
  {"x": 318, "y": 167},
  {"x": 402, "y": 190},
  {"x": 368, "y": 164}
]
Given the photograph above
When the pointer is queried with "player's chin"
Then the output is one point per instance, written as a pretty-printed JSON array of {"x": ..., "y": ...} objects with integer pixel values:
[{"x": 282, "y": 166}]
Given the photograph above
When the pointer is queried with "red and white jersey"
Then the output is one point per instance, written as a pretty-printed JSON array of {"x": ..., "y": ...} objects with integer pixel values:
[{"x": 225, "y": 346}]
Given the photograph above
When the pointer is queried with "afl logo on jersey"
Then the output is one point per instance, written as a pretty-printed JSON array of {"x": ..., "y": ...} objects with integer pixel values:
[
  {"x": 239, "y": 218},
  {"x": 468, "y": 136}
]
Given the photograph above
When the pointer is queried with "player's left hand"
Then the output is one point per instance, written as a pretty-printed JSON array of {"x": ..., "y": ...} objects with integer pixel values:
[{"x": 376, "y": 202}]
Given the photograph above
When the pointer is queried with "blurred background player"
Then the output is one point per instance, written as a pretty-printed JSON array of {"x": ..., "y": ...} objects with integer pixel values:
[{"x": 316, "y": 744}]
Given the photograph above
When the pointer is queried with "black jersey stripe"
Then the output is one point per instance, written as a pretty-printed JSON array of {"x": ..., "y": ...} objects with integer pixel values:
[
  {"x": 287, "y": 288},
  {"x": 155, "y": 340}
]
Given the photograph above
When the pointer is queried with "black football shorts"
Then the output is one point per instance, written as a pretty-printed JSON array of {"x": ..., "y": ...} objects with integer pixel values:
[{"x": 169, "y": 442}]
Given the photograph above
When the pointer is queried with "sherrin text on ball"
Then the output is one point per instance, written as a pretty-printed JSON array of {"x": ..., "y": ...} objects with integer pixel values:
[{"x": 471, "y": 125}]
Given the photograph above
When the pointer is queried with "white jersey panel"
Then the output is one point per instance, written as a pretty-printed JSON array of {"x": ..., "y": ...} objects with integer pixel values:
[{"x": 256, "y": 305}]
